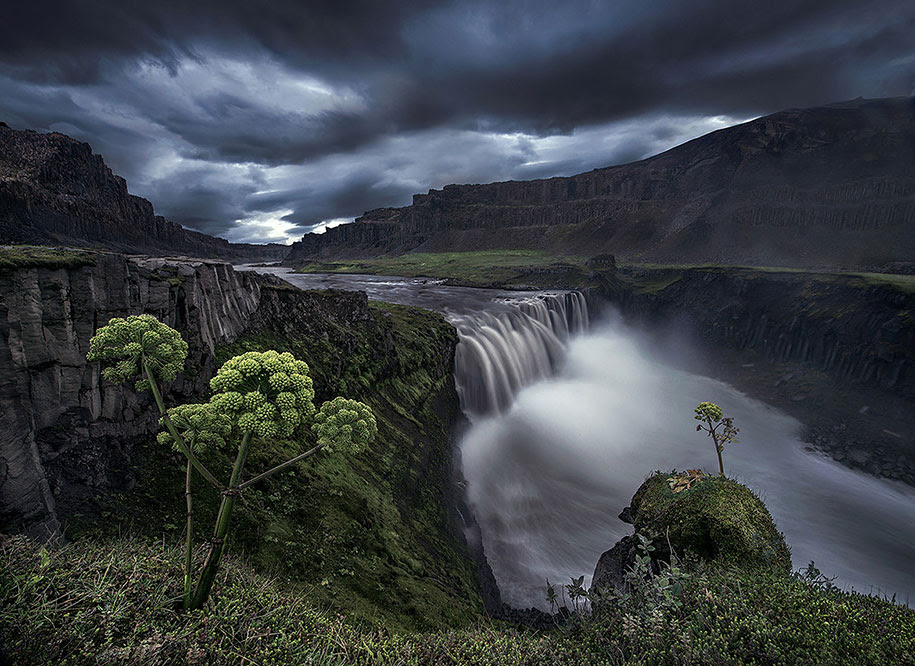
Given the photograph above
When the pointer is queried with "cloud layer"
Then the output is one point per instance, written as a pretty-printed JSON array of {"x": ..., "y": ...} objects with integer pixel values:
[{"x": 260, "y": 123}]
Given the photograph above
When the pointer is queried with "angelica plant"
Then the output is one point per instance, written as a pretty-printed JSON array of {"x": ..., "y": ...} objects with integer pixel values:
[
  {"x": 144, "y": 349},
  {"x": 257, "y": 396},
  {"x": 269, "y": 395},
  {"x": 201, "y": 427},
  {"x": 719, "y": 427}
]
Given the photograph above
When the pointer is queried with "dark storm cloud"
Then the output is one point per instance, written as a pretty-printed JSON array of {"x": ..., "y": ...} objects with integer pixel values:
[{"x": 220, "y": 111}]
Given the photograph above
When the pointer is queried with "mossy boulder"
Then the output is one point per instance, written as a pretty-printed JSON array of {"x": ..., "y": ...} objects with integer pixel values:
[{"x": 716, "y": 519}]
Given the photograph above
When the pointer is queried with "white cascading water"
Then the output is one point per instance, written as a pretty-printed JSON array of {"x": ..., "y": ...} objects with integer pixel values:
[
  {"x": 548, "y": 475},
  {"x": 567, "y": 419},
  {"x": 504, "y": 350}
]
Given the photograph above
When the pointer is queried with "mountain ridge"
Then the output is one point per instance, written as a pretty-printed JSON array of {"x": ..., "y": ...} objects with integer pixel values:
[
  {"x": 55, "y": 191},
  {"x": 825, "y": 187}
]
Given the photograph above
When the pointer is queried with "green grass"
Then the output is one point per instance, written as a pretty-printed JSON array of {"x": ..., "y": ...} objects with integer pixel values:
[
  {"x": 662, "y": 275},
  {"x": 488, "y": 268},
  {"x": 13, "y": 257},
  {"x": 536, "y": 268},
  {"x": 114, "y": 602}
]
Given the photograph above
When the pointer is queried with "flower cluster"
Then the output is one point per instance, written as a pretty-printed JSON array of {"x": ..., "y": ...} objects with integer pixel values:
[
  {"x": 708, "y": 411},
  {"x": 200, "y": 426},
  {"x": 266, "y": 393},
  {"x": 134, "y": 342},
  {"x": 347, "y": 425}
]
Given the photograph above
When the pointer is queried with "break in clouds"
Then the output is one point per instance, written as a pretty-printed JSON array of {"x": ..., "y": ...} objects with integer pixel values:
[{"x": 259, "y": 124}]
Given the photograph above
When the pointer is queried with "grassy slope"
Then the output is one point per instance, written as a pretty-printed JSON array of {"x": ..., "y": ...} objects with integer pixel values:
[
  {"x": 113, "y": 602},
  {"x": 366, "y": 535},
  {"x": 30, "y": 256},
  {"x": 488, "y": 268},
  {"x": 507, "y": 268}
]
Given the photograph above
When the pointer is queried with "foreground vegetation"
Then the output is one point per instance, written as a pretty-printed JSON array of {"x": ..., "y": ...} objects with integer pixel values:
[
  {"x": 366, "y": 534},
  {"x": 118, "y": 602}
]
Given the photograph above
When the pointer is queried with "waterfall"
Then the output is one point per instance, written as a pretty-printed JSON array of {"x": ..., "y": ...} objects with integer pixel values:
[{"x": 512, "y": 346}]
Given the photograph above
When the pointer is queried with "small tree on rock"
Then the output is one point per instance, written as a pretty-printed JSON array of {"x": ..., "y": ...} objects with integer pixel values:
[{"x": 720, "y": 428}]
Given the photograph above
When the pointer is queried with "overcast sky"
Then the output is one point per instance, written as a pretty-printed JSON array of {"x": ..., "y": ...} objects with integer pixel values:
[{"x": 260, "y": 121}]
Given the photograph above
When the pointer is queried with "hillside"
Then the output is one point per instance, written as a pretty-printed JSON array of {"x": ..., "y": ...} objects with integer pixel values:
[
  {"x": 826, "y": 187},
  {"x": 55, "y": 191}
]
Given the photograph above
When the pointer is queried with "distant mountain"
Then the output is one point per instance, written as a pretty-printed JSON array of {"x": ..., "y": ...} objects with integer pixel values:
[
  {"x": 832, "y": 186},
  {"x": 55, "y": 191}
]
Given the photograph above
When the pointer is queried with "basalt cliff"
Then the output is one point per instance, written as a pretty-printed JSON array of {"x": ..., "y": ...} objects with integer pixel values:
[
  {"x": 825, "y": 187},
  {"x": 55, "y": 191}
]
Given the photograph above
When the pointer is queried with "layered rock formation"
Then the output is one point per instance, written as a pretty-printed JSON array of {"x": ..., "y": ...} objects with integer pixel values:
[
  {"x": 823, "y": 187},
  {"x": 65, "y": 433},
  {"x": 55, "y": 191}
]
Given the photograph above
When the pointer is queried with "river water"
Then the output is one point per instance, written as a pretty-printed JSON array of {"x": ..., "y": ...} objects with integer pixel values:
[{"x": 568, "y": 416}]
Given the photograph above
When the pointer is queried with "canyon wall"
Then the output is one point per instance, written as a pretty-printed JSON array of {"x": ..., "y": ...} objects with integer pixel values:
[
  {"x": 823, "y": 187},
  {"x": 835, "y": 351},
  {"x": 65, "y": 432}
]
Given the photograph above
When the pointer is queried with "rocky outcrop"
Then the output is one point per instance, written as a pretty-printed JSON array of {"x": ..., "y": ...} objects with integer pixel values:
[
  {"x": 822, "y": 187},
  {"x": 65, "y": 433},
  {"x": 55, "y": 191},
  {"x": 717, "y": 519}
]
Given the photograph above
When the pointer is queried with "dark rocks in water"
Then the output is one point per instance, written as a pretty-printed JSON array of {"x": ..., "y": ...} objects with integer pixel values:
[
  {"x": 55, "y": 191},
  {"x": 826, "y": 187},
  {"x": 613, "y": 564}
]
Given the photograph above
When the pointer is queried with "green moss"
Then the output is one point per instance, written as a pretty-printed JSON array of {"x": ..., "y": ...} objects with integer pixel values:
[
  {"x": 13, "y": 257},
  {"x": 656, "y": 277},
  {"x": 367, "y": 535},
  {"x": 717, "y": 519}
]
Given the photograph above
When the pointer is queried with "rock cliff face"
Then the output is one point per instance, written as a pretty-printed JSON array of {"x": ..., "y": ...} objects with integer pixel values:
[
  {"x": 55, "y": 191},
  {"x": 827, "y": 187},
  {"x": 835, "y": 351},
  {"x": 65, "y": 433}
]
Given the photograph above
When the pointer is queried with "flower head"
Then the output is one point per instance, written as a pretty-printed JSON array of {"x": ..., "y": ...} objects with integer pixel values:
[
  {"x": 137, "y": 342},
  {"x": 266, "y": 393}
]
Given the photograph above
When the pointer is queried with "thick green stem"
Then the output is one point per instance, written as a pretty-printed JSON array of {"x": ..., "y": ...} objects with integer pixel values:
[
  {"x": 179, "y": 440},
  {"x": 280, "y": 467},
  {"x": 189, "y": 540},
  {"x": 218, "y": 542}
]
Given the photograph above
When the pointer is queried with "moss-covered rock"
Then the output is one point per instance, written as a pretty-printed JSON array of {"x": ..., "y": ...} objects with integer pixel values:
[{"x": 716, "y": 519}]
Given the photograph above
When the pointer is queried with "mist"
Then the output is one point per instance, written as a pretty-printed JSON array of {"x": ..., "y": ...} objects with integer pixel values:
[{"x": 548, "y": 477}]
